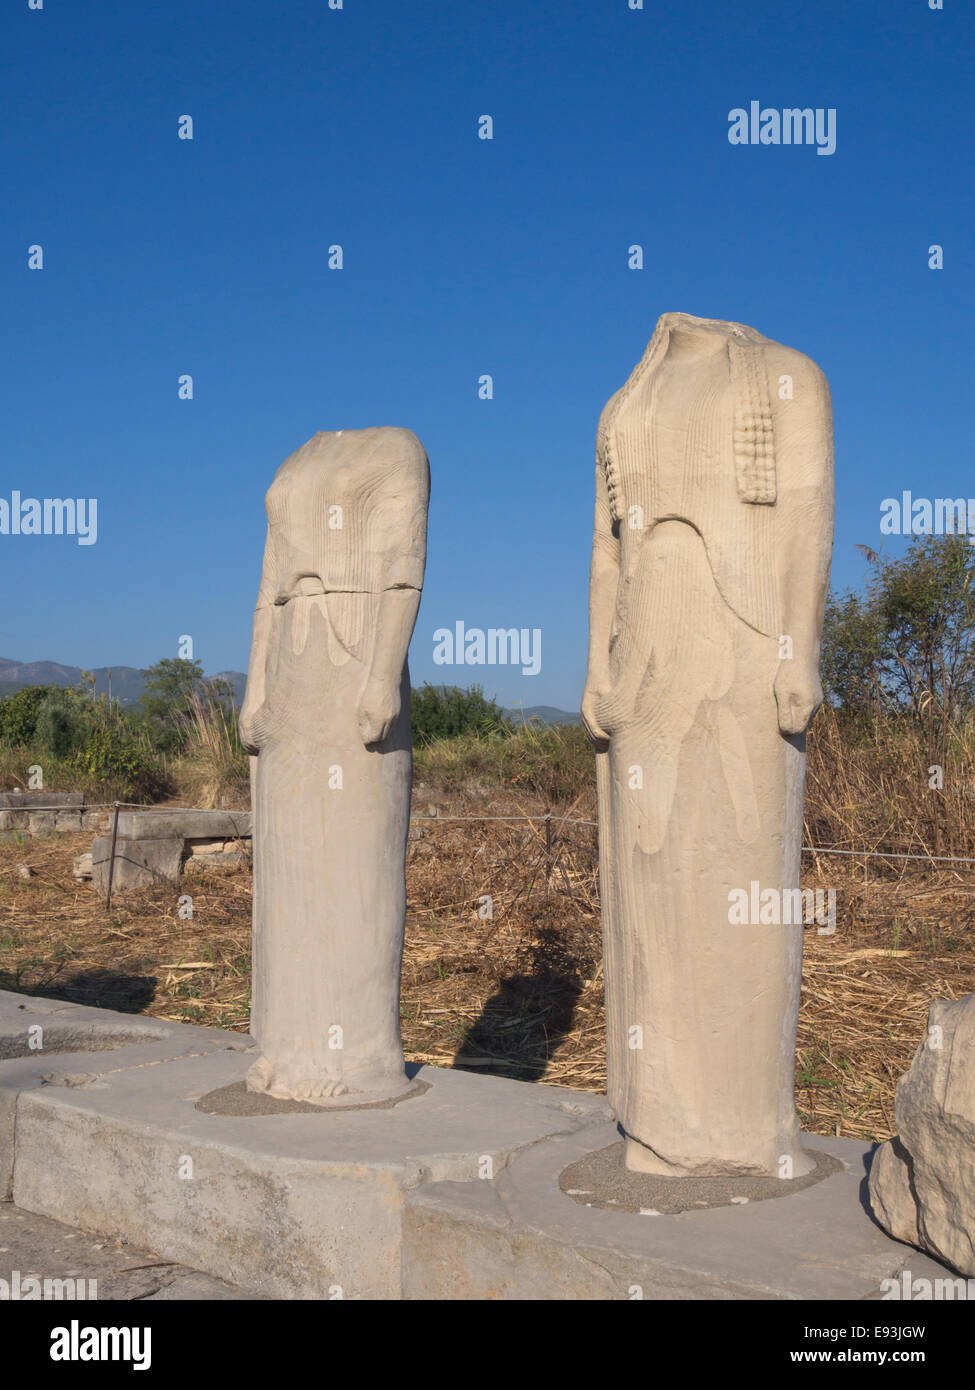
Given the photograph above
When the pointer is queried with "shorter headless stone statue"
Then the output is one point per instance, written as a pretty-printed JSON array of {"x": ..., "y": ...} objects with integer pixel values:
[
  {"x": 709, "y": 574},
  {"x": 327, "y": 714}
]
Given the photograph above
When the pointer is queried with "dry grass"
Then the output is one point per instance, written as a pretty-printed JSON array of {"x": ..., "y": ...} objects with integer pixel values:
[
  {"x": 212, "y": 770},
  {"x": 521, "y": 994},
  {"x": 57, "y": 939},
  {"x": 872, "y": 791}
]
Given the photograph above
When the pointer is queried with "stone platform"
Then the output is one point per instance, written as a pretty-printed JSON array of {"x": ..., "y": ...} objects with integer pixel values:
[
  {"x": 294, "y": 1205},
  {"x": 142, "y": 1131},
  {"x": 523, "y": 1237}
]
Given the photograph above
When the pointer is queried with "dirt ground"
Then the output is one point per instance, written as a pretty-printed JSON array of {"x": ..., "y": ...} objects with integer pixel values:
[{"x": 518, "y": 993}]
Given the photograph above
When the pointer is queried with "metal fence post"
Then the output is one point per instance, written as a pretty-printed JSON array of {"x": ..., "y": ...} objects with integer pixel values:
[{"x": 111, "y": 862}]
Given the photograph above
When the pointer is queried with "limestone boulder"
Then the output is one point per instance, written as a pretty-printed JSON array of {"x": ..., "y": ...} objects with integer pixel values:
[{"x": 922, "y": 1183}]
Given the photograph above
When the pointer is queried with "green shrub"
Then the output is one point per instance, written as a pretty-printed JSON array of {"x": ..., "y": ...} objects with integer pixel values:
[
  {"x": 18, "y": 713},
  {"x": 555, "y": 762},
  {"x": 64, "y": 722},
  {"x": 446, "y": 711},
  {"x": 112, "y": 755}
]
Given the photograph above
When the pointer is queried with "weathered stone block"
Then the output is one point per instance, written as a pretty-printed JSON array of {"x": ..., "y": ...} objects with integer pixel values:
[
  {"x": 25, "y": 800},
  {"x": 202, "y": 863},
  {"x": 189, "y": 825},
  {"x": 922, "y": 1185},
  {"x": 138, "y": 863},
  {"x": 892, "y": 1198}
]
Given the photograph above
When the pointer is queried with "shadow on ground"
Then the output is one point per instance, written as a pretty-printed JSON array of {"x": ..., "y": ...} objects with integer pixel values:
[
  {"x": 100, "y": 988},
  {"x": 528, "y": 1016}
]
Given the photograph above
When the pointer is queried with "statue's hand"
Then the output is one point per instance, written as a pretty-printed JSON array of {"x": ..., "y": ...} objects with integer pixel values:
[
  {"x": 379, "y": 706},
  {"x": 798, "y": 695},
  {"x": 252, "y": 726},
  {"x": 592, "y": 698}
]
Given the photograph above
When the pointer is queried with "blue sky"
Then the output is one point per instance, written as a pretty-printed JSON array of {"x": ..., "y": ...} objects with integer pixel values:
[{"x": 461, "y": 257}]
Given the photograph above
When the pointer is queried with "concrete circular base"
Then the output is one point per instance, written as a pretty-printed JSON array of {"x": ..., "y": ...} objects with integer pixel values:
[
  {"x": 600, "y": 1179},
  {"x": 238, "y": 1101}
]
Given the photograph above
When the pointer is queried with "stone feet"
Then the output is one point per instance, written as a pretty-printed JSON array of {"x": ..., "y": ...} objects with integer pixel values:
[
  {"x": 793, "y": 1162},
  {"x": 298, "y": 1080},
  {"x": 285, "y": 1083}
]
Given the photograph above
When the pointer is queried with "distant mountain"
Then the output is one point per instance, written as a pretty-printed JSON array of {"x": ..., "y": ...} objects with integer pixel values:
[
  {"x": 127, "y": 682},
  {"x": 37, "y": 672},
  {"x": 544, "y": 714}
]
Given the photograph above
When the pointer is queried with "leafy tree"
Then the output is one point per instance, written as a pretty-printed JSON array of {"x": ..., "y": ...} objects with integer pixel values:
[
  {"x": 851, "y": 656},
  {"x": 908, "y": 642},
  {"x": 171, "y": 686},
  {"x": 926, "y": 606}
]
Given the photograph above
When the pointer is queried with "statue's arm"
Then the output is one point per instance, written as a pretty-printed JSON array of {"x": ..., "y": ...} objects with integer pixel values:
[
  {"x": 804, "y": 539},
  {"x": 379, "y": 704},
  {"x": 405, "y": 514},
  {"x": 603, "y": 581},
  {"x": 250, "y": 720}
]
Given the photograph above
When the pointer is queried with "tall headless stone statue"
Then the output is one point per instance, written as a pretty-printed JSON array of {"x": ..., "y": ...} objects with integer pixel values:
[
  {"x": 710, "y": 566},
  {"x": 327, "y": 713}
]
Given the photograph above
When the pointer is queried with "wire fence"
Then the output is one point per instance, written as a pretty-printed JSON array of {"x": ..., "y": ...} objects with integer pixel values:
[{"x": 550, "y": 819}]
